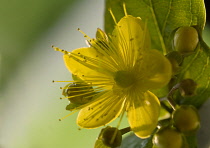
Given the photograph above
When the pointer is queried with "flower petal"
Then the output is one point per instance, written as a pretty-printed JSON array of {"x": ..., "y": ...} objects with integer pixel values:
[
  {"x": 89, "y": 64},
  {"x": 130, "y": 34},
  {"x": 106, "y": 109},
  {"x": 77, "y": 67},
  {"x": 155, "y": 70},
  {"x": 143, "y": 114}
]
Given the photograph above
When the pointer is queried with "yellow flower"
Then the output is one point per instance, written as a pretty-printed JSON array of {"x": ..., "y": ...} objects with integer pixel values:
[{"x": 122, "y": 69}]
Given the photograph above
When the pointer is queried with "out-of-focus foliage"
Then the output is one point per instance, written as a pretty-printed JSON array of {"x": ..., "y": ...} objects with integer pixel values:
[
  {"x": 22, "y": 22},
  {"x": 29, "y": 104}
]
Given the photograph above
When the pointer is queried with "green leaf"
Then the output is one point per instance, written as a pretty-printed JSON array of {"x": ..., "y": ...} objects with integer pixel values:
[
  {"x": 197, "y": 67},
  {"x": 133, "y": 141},
  {"x": 192, "y": 141},
  {"x": 162, "y": 16}
]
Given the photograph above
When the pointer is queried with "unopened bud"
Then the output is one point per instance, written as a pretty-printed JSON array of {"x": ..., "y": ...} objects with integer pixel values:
[
  {"x": 112, "y": 137},
  {"x": 78, "y": 93},
  {"x": 186, "y": 39},
  {"x": 168, "y": 137},
  {"x": 186, "y": 119},
  {"x": 187, "y": 87}
]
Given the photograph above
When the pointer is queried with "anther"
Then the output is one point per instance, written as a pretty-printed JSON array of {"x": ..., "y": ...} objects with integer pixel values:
[
  {"x": 62, "y": 81},
  {"x": 68, "y": 115},
  {"x": 85, "y": 35},
  {"x": 61, "y": 50}
]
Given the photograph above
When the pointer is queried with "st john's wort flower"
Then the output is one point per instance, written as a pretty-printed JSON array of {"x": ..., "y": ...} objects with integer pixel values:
[{"x": 121, "y": 68}]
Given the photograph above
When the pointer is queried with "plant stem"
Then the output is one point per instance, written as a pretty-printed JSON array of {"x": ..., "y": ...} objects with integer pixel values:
[
  {"x": 125, "y": 130},
  {"x": 170, "y": 96}
]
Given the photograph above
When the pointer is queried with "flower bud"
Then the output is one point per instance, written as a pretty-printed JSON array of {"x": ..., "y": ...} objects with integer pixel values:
[
  {"x": 186, "y": 39},
  {"x": 78, "y": 93},
  {"x": 186, "y": 119},
  {"x": 187, "y": 87},
  {"x": 168, "y": 137},
  {"x": 112, "y": 137},
  {"x": 101, "y": 35}
]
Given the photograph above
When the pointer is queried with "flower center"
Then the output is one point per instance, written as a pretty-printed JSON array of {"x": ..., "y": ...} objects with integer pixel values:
[{"x": 124, "y": 78}]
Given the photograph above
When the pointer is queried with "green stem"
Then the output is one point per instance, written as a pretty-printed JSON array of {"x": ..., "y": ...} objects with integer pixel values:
[
  {"x": 170, "y": 96},
  {"x": 125, "y": 130},
  {"x": 167, "y": 108}
]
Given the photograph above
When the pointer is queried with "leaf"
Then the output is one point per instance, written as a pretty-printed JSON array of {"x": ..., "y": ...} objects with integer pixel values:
[
  {"x": 132, "y": 141},
  {"x": 162, "y": 16},
  {"x": 197, "y": 67},
  {"x": 191, "y": 140}
]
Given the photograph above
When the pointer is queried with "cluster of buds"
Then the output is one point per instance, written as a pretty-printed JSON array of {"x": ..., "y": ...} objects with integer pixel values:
[
  {"x": 184, "y": 43},
  {"x": 184, "y": 120}
]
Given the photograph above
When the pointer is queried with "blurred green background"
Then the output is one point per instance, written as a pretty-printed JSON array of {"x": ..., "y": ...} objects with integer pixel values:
[{"x": 29, "y": 102}]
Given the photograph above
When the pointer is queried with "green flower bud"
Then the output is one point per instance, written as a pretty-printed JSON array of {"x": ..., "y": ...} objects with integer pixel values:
[
  {"x": 168, "y": 137},
  {"x": 112, "y": 137},
  {"x": 186, "y": 119},
  {"x": 78, "y": 93},
  {"x": 187, "y": 87},
  {"x": 186, "y": 39},
  {"x": 101, "y": 35}
]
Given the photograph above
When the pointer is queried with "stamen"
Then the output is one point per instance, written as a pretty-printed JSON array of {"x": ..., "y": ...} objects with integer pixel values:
[
  {"x": 93, "y": 62},
  {"x": 121, "y": 117},
  {"x": 85, "y": 35},
  {"x": 62, "y": 81},
  {"x": 61, "y": 50},
  {"x": 110, "y": 11},
  {"x": 88, "y": 63},
  {"x": 144, "y": 33},
  {"x": 118, "y": 125},
  {"x": 68, "y": 115},
  {"x": 75, "y": 87},
  {"x": 82, "y": 94},
  {"x": 124, "y": 8}
]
